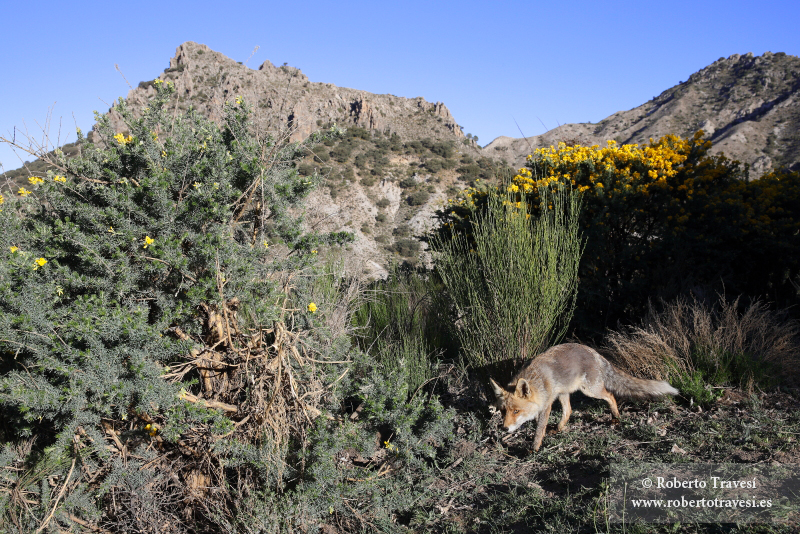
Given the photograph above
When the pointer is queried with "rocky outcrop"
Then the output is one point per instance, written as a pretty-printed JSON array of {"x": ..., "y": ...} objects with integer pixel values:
[{"x": 284, "y": 98}]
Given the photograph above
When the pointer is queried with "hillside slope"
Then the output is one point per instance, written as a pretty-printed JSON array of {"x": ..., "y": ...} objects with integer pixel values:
[{"x": 401, "y": 159}]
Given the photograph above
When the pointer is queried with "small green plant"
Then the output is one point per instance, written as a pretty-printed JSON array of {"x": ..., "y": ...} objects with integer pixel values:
[
  {"x": 404, "y": 319},
  {"x": 418, "y": 198}
]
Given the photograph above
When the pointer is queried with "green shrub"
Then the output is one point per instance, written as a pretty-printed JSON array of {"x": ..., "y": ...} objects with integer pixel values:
[
  {"x": 402, "y": 230},
  {"x": 306, "y": 169},
  {"x": 342, "y": 152},
  {"x": 434, "y": 165},
  {"x": 358, "y": 132},
  {"x": 384, "y": 458},
  {"x": 418, "y": 198},
  {"x": 513, "y": 280},
  {"x": 321, "y": 154},
  {"x": 404, "y": 318},
  {"x": 408, "y": 182},
  {"x": 143, "y": 287},
  {"x": 667, "y": 218}
]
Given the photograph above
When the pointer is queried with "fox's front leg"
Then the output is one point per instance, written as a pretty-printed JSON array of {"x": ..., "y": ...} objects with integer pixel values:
[
  {"x": 566, "y": 410},
  {"x": 541, "y": 426}
]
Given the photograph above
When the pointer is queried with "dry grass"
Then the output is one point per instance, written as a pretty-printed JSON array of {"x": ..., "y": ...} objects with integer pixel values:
[{"x": 688, "y": 334}]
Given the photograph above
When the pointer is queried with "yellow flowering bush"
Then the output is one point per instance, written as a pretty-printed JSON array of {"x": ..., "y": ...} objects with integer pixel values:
[{"x": 662, "y": 219}]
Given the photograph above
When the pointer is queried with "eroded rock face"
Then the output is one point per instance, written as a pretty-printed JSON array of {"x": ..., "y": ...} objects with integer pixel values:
[{"x": 748, "y": 106}]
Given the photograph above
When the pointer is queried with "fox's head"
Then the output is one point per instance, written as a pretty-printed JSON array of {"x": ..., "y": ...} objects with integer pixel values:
[{"x": 517, "y": 406}]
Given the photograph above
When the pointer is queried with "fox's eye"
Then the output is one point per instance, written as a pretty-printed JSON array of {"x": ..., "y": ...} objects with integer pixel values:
[{"x": 516, "y": 412}]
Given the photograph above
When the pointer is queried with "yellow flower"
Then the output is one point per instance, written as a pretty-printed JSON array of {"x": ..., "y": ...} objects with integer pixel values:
[
  {"x": 59, "y": 178},
  {"x": 312, "y": 307},
  {"x": 266, "y": 245},
  {"x": 163, "y": 153},
  {"x": 155, "y": 135},
  {"x": 158, "y": 82},
  {"x": 111, "y": 230},
  {"x": 239, "y": 100},
  {"x": 198, "y": 185},
  {"x": 14, "y": 249},
  {"x": 148, "y": 241},
  {"x": 39, "y": 263},
  {"x": 34, "y": 180},
  {"x": 2, "y": 199},
  {"x": 314, "y": 251},
  {"x": 23, "y": 192},
  {"x": 121, "y": 139}
]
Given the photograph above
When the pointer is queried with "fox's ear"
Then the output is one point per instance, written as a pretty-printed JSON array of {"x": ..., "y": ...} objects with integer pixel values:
[
  {"x": 498, "y": 391},
  {"x": 523, "y": 389}
]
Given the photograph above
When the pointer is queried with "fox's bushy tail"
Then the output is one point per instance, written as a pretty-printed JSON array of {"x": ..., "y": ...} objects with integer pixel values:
[{"x": 622, "y": 384}]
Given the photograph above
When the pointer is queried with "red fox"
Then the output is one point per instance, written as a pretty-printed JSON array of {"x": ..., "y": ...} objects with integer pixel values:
[{"x": 560, "y": 371}]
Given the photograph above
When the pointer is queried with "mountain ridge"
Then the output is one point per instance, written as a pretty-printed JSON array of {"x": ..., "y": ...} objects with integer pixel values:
[{"x": 748, "y": 106}]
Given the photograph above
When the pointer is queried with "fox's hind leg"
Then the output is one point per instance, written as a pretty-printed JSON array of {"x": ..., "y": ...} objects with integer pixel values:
[
  {"x": 612, "y": 403},
  {"x": 566, "y": 410},
  {"x": 600, "y": 392}
]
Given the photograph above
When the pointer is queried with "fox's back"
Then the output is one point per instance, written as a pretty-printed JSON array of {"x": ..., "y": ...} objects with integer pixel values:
[{"x": 566, "y": 367}]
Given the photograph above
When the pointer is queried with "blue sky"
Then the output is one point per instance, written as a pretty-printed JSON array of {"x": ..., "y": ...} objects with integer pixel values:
[{"x": 540, "y": 64}]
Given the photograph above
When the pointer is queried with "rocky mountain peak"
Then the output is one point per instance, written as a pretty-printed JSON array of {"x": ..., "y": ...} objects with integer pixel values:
[{"x": 285, "y": 98}]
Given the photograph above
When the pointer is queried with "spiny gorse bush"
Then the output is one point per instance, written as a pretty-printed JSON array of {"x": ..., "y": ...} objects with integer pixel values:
[
  {"x": 174, "y": 357},
  {"x": 122, "y": 362}
]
